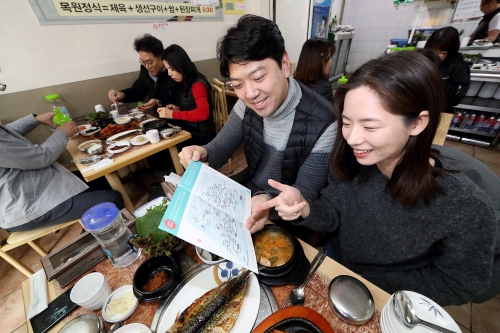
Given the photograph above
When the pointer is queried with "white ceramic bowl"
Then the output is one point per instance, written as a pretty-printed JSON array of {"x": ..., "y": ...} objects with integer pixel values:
[
  {"x": 206, "y": 257},
  {"x": 123, "y": 119},
  {"x": 139, "y": 140},
  {"x": 117, "y": 295},
  {"x": 133, "y": 328},
  {"x": 91, "y": 291}
]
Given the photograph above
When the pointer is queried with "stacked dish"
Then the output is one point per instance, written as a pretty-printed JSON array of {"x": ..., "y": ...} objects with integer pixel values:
[{"x": 425, "y": 308}]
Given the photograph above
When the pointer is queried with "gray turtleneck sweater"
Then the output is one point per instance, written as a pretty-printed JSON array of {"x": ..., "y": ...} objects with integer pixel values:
[{"x": 313, "y": 173}]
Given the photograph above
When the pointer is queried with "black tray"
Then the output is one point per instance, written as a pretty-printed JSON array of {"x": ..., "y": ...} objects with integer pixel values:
[{"x": 297, "y": 274}]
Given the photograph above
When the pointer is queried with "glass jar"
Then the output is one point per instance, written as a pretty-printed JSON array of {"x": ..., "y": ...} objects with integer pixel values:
[
  {"x": 105, "y": 223},
  {"x": 55, "y": 99}
]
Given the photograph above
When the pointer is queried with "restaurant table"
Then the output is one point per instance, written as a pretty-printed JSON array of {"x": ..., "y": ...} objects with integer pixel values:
[
  {"x": 315, "y": 293},
  {"x": 133, "y": 154}
]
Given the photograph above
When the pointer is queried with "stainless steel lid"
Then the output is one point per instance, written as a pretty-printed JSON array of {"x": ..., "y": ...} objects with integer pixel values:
[
  {"x": 86, "y": 323},
  {"x": 351, "y": 300}
]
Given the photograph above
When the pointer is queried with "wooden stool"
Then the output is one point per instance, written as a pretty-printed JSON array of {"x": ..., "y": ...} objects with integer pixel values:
[{"x": 19, "y": 238}]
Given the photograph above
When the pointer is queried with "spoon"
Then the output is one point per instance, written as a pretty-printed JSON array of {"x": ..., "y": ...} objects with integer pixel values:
[
  {"x": 404, "y": 311},
  {"x": 297, "y": 296},
  {"x": 114, "y": 327}
]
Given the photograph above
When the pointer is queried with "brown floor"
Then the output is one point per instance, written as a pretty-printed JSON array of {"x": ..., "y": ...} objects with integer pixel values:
[{"x": 479, "y": 317}]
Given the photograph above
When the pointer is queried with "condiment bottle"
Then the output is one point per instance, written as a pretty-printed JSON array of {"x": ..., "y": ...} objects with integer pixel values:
[
  {"x": 57, "y": 103},
  {"x": 60, "y": 118}
]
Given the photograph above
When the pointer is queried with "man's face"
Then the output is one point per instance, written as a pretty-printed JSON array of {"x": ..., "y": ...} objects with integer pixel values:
[
  {"x": 262, "y": 85},
  {"x": 153, "y": 64}
]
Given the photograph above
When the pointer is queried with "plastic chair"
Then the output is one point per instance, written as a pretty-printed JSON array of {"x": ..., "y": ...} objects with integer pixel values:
[
  {"x": 19, "y": 238},
  {"x": 220, "y": 110}
]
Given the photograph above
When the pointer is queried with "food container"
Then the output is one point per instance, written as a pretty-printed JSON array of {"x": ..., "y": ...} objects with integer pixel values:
[
  {"x": 85, "y": 323},
  {"x": 123, "y": 120},
  {"x": 351, "y": 300},
  {"x": 105, "y": 222},
  {"x": 133, "y": 328},
  {"x": 167, "y": 133},
  {"x": 147, "y": 272},
  {"x": 94, "y": 149},
  {"x": 103, "y": 123},
  {"x": 91, "y": 291},
  {"x": 285, "y": 256},
  {"x": 119, "y": 305},
  {"x": 118, "y": 147},
  {"x": 87, "y": 144},
  {"x": 158, "y": 124}
]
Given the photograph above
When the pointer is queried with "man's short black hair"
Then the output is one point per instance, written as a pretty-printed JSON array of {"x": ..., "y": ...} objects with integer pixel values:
[
  {"x": 253, "y": 38},
  {"x": 149, "y": 43}
]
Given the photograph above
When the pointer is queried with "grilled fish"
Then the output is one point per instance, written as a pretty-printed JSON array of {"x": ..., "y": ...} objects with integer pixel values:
[
  {"x": 199, "y": 313},
  {"x": 223, "y": 321}
]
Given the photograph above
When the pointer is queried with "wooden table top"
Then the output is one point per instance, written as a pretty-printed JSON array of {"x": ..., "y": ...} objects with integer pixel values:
[
  {"x": 133, "y": 154},
  {"x": 316, "y": 288}
]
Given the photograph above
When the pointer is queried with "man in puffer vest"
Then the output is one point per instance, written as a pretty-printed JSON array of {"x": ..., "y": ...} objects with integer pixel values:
[{"x": 287, "y": 129}]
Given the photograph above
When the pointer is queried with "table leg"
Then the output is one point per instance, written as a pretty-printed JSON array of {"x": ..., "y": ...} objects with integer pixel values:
[
  {"x": 174, "y": 154},
  {"x": 116, "y": 184}
]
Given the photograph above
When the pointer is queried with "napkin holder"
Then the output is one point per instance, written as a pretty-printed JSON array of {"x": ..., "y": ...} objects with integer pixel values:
[{"x": 78, "y": 256}]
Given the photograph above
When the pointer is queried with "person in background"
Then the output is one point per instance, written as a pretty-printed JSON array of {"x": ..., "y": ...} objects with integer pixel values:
[
  {"x": 489, "y": 27},
  {"x": 454, "y": 70},
  {"x": 35, "y": 190},
  {"x": 404, "y": 219},
  {"x": 287, "y": 129},
  {"x": 153, "y": 80},
  {"x": 314, "y": 65},
  {"x": 193, "y": 106}
]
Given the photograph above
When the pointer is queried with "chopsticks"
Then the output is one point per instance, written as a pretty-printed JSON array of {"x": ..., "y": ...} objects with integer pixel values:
[{"x": 317, "y": 261}]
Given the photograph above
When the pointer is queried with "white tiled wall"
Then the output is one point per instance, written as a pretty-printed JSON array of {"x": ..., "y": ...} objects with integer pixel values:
[{"x": 377, "y": 21}]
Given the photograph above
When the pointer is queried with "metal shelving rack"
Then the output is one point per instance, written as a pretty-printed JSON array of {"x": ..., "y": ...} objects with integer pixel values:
[{"x": 480, "y": 105}]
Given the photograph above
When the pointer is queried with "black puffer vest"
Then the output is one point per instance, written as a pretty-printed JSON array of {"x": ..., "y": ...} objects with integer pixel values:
[
  {"x": 313, "y": 115},
  {"x": 186, "y": 102}
]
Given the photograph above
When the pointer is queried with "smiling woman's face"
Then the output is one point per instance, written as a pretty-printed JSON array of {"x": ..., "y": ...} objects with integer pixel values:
[{"x": 375, "y": 135}]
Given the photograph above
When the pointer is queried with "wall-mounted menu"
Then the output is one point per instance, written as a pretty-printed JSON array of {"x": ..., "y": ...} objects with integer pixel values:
[{"x": 467, "y": 9}]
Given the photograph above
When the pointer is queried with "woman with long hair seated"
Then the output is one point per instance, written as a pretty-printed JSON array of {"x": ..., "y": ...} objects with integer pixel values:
[
  {"x": 314, "y": 65},
  {"x": 404, "y": 219},
  {"x": 193, "y": 110}
]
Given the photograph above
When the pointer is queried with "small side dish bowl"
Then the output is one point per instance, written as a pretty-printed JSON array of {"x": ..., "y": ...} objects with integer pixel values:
[
  {"x": 207, "y": 257},
  {"x": 118, "y": 147},
  {"x": 94, "y": 149},
  {"x": 133, "y": 328},
  {"x": 123, "y": 120},
  {"x": 149, "y": 284},
  {"x": 119, "y": 305},
  {"x": 90, "y": 130},
  {"x": 139, "y": 140},
  {"x": 82, "y": 146},
  {"x": 91, "y": 291},
  {"x": 137, "y": 115}
]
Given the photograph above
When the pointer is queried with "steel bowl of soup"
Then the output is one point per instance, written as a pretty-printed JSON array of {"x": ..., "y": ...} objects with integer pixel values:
[{"x": 275, "y": 251}]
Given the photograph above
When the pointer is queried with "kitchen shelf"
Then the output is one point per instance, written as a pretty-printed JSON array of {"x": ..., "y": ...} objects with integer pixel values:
[
  {"x": 465, "y": 130},
  {"x": 477, "y": 108}
]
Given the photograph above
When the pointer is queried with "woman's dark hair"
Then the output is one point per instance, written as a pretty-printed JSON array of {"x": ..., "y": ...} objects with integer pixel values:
[
  {"x": 253, "y": 38},
  {"x": 444, "y": 39},
  {"x": 406, "y": 84},
  {"x": 148, "y": 43},
  {"x": 431, "y": 55},
  {"x": 179, "y": 61},
  {"x": 314, "y": 55}
]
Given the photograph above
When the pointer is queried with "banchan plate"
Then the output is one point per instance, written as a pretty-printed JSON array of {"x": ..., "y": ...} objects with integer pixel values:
[
  {"x": 295, "y": 319},
  {"x": 124, "y": 127},
  {"x": 139, "y": 140},
  {"x": 118, "y": 147},
  {"x": 206, "y": 280},
  {"x": 86, "y": 144},
  {"x": 122, "y": 136},
  {"x": 123, "y": 295},
  {"x": 133, "y": 328}
]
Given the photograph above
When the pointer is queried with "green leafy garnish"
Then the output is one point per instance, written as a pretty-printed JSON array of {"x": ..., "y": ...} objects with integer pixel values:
[
  {"x": 154, "y": 241},
  {"x": 140, "y": 104}
]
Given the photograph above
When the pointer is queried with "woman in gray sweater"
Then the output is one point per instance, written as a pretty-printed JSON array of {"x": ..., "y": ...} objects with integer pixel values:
[{"x": 402, "y": 218}]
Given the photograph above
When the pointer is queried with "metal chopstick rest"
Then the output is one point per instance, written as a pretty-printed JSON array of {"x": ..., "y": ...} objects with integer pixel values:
[{"x": 318, "y": 259}]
